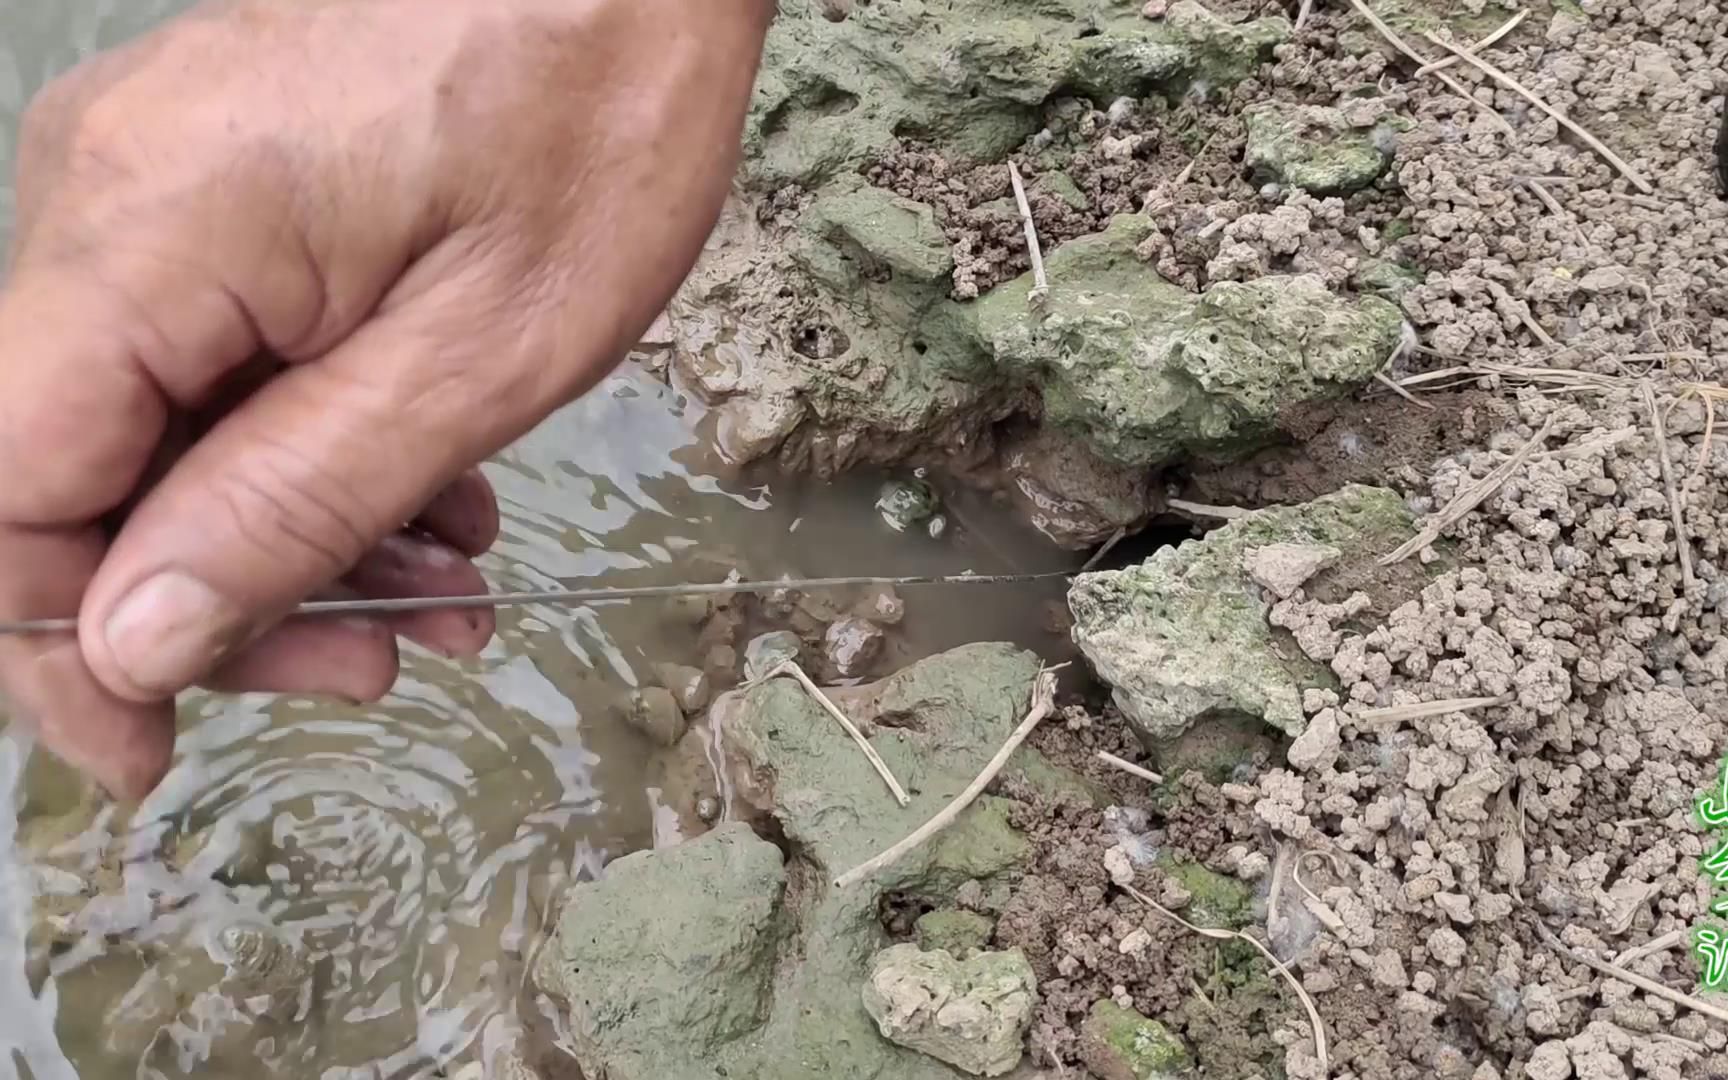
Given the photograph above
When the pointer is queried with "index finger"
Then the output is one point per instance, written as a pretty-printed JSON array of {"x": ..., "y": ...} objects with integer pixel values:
[
  {"x": 79, "y": 422},
  {"x": 125, "y": 746}
]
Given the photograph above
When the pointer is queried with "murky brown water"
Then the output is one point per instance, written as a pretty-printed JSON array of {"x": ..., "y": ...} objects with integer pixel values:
[{"x": 406, "y": 850}]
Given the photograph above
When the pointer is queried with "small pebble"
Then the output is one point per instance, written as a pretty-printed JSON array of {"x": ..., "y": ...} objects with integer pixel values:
[
  {"x": 768, "y": 651},
  {"x": 655, "y": 713},
  {"x": 1253, "y": 866},
  {"x": 881, "y": 604},
  {"x": 690, "y": 686},
  {"x": 1137, "y": 942},
  {"x": 1550, "y": 1061},
  {"x": 905, "y": 503},
  {"x": 1388, "y": 970},
  {"x": 721, "y": 664},
  {"x": 852, "y": 645},
  {"x": 1120, "y": 867}
]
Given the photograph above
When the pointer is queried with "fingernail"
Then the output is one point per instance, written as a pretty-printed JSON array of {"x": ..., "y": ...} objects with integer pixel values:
[{"x": 170, "y": 630}]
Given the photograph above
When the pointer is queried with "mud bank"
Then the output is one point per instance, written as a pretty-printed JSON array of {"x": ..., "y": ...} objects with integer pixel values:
[
  {"x": 1430, "y": 699},
  {"x": 868, "y": 299}
]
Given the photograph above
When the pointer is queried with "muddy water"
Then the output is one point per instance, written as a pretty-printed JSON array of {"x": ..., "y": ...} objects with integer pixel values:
[{"x": 405, "y": 852}]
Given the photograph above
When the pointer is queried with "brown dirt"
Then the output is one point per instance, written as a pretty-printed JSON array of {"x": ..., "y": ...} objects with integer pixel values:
[
  {"x": 1113, "y": 158},
  {"x": 989, "y": 243},
  {"x": 1072, "y": 924},
  {"x": 1455, "y": 835},
  {"x": 1376, "y": 439},
  {"x": 1445, "y": 840}
]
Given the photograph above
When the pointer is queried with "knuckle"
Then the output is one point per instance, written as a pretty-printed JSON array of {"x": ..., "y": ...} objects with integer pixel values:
[
  {"x": 96, "y": 148},
  {"x": 49, "y": 108},
  {"x": 68, "y": 114},
  {"x": 41, "y": 124},
  {"x": 41, "y": 144},
  {"x": 74, "y": 438}
]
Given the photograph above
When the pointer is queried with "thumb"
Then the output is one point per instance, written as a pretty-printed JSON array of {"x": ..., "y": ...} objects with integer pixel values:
[{"x": 290, "y": 489}]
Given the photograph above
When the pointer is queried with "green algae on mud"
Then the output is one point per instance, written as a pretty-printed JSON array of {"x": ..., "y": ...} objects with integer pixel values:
[
  {"x": 1144, "y": 372},
  {"x": 761, "y": 970},
  {"x": 1318, "y": 148},
  {"x": 1120, "y": 1044},
  {"x": 716, "y": 918},
  {"x": 883, "y": 364},
  {"x": 969, "y": 75},
  {"x": 1216, "y": 901},
  {"x": 953, "y": 930},
  {"x": 1183, "y": 636},
  {"x": 830, "y": 324}
]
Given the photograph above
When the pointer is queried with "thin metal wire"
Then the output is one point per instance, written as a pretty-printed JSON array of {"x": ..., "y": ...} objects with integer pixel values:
[{"x": 316, "y": 608}]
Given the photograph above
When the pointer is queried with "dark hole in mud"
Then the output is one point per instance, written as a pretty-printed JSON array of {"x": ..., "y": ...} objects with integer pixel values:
[
  {"x": 834, "y": 101},
  {"x": 819, "y": 341},
  {"x": 910, "y": 131},
  {"x": 824, "y": 99},
  {"x": 920, "y": 347},
  {"x": 899, "y": 913},
  {"x": 1089, "y": 32},
  {"x": 775, "y": 121},
  {"x": 1138, "y": 547},
  {"x": 902, "y": 719},
  {"x": 767, "y": 827}
]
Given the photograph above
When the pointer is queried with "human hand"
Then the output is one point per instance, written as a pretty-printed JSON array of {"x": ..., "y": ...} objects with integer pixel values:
[{"x": 284, "y": 272}]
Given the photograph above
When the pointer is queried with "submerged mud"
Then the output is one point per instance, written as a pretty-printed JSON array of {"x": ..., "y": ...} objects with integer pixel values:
[{"x": 409, "y": 855}]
